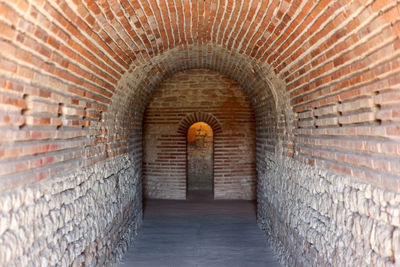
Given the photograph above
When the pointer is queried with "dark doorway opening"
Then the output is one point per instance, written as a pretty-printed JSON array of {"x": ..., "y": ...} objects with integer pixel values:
[{"x": 200, "y": 162}]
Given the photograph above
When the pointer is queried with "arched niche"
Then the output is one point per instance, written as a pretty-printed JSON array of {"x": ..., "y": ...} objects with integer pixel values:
[{"x": 200, "y": 160}]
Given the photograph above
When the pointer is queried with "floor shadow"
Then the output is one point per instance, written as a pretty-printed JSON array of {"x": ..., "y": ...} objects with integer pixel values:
[
  {"x": 199, "y": 195},
  {"x": 199, "y": 231}
]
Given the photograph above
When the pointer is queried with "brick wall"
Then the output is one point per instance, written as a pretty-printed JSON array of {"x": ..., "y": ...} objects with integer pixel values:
[
  {"x": 339, "y": 62},
  {"x": 165, "y": 148}
]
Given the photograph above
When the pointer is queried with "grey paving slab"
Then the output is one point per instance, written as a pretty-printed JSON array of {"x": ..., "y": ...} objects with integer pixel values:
[{"x": 199, "y": 232}]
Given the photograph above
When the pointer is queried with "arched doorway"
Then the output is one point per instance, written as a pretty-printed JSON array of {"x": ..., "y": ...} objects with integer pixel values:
[{"x": 200, "y": 160}]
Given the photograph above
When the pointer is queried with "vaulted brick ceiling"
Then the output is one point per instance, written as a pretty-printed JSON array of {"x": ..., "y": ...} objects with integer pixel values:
[{"x": 65, "y": 64}]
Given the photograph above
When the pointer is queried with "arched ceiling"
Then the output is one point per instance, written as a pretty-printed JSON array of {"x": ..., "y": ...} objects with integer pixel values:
[
  {"x": 99, "y": 41},
  {"x": 257, "y": 80},
  {"x": 138, "y": 30},
  {"x": 64, "y": 63},
  {"x": 136, "y": 86},
  {"x": 131, "y": 32}
]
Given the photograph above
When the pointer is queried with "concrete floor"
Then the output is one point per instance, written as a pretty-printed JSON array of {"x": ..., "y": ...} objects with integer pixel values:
[{"x": 199, "y": 232}]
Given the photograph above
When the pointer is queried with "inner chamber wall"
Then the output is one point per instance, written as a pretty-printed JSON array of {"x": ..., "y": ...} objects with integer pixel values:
[{"x": 165, "y": 154}]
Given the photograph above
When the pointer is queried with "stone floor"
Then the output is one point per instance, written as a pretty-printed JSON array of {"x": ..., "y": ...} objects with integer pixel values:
[{"x": 199, "y": 232}]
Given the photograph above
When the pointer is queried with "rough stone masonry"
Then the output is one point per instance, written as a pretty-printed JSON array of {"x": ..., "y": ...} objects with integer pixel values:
[{"x": 321, "y": 78}]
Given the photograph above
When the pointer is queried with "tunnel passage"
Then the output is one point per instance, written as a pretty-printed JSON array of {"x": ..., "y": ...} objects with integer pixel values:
[{"x": 321, "y": 76}]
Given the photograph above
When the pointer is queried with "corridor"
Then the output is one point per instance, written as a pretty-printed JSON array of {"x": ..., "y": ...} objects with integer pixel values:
[
  {"x": 299, "y": 107},
  {"x": 199, "y": 232}
]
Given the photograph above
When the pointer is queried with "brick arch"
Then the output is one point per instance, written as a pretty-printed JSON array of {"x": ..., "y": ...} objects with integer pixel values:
[
  {"x": 194, "y": 117},
  {"x": 264, "y": 89}
]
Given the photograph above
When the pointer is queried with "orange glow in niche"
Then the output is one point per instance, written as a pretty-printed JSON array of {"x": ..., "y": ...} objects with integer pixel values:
[{"x": 200, "y": 131}]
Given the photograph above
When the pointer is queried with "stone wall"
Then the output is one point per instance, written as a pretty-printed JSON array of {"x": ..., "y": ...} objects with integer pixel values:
[
  {"x": 87, "y": 217},
  {"x": 165, "y": 155},
  {"x": 315, "y": 217}
]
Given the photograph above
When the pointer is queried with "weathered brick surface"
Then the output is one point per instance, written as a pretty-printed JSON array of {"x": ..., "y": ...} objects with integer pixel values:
[
  {"x": 322, "y": 77},
  {"x": 165, "y": 147}
]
